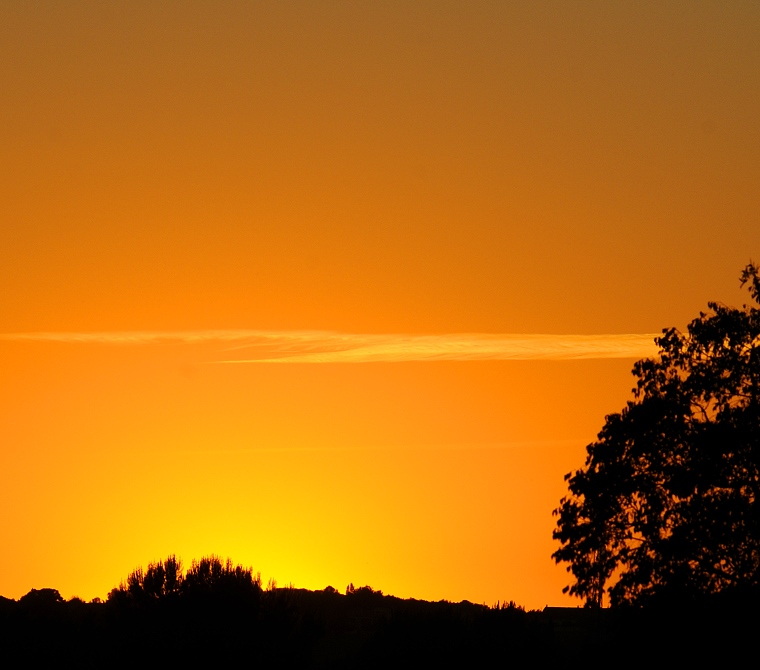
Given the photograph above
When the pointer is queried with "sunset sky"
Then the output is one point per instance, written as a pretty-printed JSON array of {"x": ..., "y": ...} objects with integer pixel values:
[{"x": 341, "y": 290}]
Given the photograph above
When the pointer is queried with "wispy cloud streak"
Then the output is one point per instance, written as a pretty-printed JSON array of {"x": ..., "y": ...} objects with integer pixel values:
[{"x": 328, "y": 347}]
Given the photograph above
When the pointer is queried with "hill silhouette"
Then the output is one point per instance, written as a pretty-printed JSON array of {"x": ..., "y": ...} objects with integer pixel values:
[{"x": 218, "y": 613}]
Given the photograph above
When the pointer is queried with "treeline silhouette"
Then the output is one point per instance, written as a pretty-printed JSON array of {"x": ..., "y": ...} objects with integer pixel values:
[{"x": 217, "y": 612}]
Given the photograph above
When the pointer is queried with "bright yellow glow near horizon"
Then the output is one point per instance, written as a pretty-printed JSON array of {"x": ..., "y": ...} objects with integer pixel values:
[
  {"x": 396, "y": 189},
  {"x": 421, "y": 479}
]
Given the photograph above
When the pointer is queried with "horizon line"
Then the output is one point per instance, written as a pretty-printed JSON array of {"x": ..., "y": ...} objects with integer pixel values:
[{"x": 309, "y": 346}]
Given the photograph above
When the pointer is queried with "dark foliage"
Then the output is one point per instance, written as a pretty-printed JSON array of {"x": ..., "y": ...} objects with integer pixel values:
[
  {"x": 41, "y": 598},
  {"x": 216, "y": 613},
  {"x": 667, "y": 507},
  {"x": 226, "y": 623}
]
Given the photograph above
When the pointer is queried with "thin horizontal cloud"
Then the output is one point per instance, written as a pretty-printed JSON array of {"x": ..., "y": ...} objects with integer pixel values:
[
  {"x": 451, "y": 446},
  {"x": 328, "y": 347}
]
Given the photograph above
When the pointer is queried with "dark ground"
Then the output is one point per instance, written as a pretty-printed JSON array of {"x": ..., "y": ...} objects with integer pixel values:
[{"x": 286, "y": 628}]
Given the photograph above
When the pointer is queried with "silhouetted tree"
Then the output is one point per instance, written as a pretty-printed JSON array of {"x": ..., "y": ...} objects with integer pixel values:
[
  {"x": 42, "y": 598},
  {"x": 363, "y": 592},
  {"x": 211, "y": 575},
  {"x": 161, "y": 579},
  {"x": 667, "y": 506}
]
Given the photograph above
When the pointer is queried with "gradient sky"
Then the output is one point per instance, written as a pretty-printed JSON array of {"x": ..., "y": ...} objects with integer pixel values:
[{"x": 376, "y": 200}]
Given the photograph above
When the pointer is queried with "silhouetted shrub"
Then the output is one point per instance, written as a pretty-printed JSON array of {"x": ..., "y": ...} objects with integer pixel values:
[
  {"x": 211, "y": 575},
  {"x": 41, "y": 597}
]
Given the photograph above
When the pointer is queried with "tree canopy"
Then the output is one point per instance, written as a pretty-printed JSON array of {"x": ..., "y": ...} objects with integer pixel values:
[
  {"x": 208, "y": 577},
  {"x": 667, "y": 506}
]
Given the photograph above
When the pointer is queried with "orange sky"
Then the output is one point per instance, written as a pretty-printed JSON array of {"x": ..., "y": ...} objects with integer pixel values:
[{"x": 384, "y": 169}]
